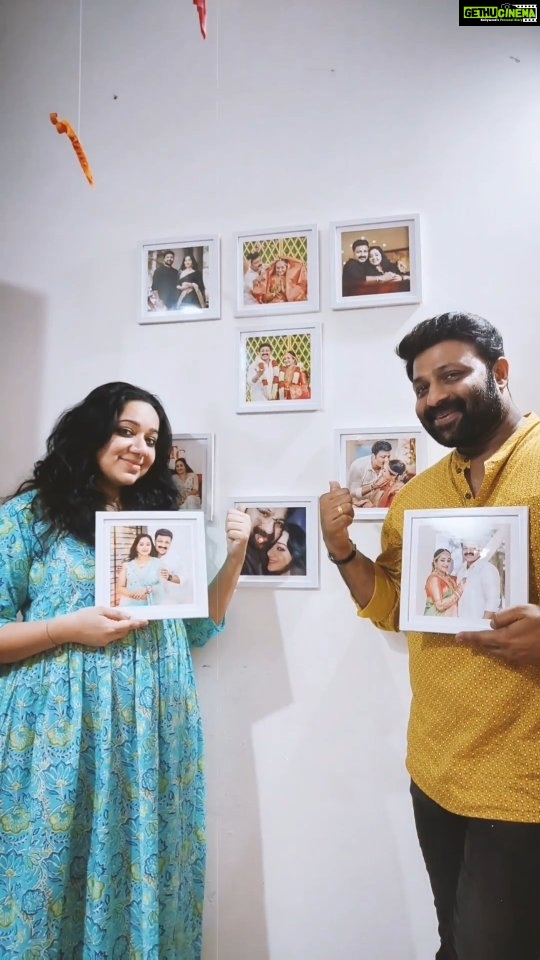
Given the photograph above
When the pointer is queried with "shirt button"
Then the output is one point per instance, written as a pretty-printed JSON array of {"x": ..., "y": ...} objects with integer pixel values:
[{"x": 468, "y": 496}]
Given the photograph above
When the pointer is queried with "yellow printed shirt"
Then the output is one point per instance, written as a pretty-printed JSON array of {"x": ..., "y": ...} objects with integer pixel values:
[{"x": 474, "y": 727}]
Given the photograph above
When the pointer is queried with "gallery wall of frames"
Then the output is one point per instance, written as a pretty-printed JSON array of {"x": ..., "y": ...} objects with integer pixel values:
[{"x": 279, "y": 366}]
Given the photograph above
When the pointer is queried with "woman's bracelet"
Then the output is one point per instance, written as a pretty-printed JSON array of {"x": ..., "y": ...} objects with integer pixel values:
[{"x": 49, "y": 637}]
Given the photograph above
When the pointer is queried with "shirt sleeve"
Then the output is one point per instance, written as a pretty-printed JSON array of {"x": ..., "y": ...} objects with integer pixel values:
[
  {"x": 383, "y": 608},
  {"x": 15, "y": 559},
  {"x": 201, "y": 629}
]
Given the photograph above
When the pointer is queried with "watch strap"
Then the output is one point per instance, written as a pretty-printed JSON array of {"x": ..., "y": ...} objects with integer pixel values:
[{"x": 350, "y": 556}]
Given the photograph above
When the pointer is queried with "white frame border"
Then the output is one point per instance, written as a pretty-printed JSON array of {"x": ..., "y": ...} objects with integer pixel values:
[
  {"x": 105, "y": 519},
  {"x": 311, "y": 580},
  {"x": 517, "y": 517},
  {"x": 414, "y": 295},
  {"x": 344, "y": 434},
  {"x": 310, "y": 305},
  {"x": 213, "y": 311},
  {"x": 270, "y": 330}
]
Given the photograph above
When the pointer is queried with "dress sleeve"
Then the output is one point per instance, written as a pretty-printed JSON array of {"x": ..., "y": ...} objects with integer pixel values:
[
  {"x": 201, "y": 629},
  {"x": 15, "y": 559}
]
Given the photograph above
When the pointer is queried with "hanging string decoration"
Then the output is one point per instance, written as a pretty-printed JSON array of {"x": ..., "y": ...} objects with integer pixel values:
[
  {"x": 62, "y": 126},
  {"x": 201, "y": 9}
]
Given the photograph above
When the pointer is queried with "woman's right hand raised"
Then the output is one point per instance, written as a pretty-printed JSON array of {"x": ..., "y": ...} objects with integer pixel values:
[{"x": 93, "y": 627}]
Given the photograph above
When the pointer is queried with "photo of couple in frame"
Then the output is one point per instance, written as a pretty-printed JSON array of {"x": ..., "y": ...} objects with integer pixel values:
[
  {"x": 460, "y": 567},
  {"x": 153, "y": 564},
  {"x": 282, "y": 550}
]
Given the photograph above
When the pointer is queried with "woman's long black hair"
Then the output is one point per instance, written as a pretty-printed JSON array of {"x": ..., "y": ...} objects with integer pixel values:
[
  {"x": 296, "y": 545},
  {"x": 66, "y": 481}
]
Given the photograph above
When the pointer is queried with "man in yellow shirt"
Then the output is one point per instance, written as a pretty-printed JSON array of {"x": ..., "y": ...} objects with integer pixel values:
[{"x": 474, "y": 730}]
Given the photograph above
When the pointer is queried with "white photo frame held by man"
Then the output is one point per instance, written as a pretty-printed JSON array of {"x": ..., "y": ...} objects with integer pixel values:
[
  {"x": 277, "y": 271},
  {"x": 180, "y": 280},
  {"x": 283, "y": 547},
  {"x": 152, "y": 564},
  {"x": 375, "y": 463},
  {"x": 376, "y": 262},
  {"x": 462, "y": 566}
]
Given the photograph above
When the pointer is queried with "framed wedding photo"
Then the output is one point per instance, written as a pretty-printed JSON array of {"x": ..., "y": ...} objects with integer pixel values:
[
  {"x": 152, "y": 564},
  {"x": 375, "y": 463},
  {"x": 462, "y": 566},
  {"x": 277, "y": 271},
  {"x": 180, "y": 280},
  {"x": 376, "y": 262},
  {"x": 192, "y": 466},
  {"x": 283, "y": 548},
  {"x": 279, "y": 368}
]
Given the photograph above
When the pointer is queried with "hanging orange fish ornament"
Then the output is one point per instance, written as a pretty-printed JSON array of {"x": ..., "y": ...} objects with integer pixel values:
[
  {"x": 62, "y": 126},
  {"x": 201, "y": 9}
]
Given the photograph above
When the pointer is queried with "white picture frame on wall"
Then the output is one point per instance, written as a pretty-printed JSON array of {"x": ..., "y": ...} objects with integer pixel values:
[
  {"x": 192, "y": 465},
  {"x": 283, "y": 547},
  {"x": 375, "y": 463},
  {"x": 279, "y": 367},
  {"x": 277, "y": 271},
  {"x": 375, "y": 262},
  {"x": 180, "y": 280}
]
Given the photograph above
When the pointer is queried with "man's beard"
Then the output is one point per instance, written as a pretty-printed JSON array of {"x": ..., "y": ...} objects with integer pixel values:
[
  {"x": 481, "y": 413},
  {"x": 261, "y": 539}
]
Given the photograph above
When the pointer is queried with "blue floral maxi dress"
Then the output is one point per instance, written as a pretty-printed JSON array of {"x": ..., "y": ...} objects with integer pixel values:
[{"x": 102, "y": 842}]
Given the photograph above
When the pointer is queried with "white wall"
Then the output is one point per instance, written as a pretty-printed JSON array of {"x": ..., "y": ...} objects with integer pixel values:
[{"x": 292, "y": 112}]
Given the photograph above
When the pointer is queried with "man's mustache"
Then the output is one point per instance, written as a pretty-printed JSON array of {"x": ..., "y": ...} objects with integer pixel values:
[{"x": 457, "y": 406}]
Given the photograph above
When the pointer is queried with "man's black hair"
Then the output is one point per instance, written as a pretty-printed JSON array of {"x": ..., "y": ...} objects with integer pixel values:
[{"x": 466, "y": 327}]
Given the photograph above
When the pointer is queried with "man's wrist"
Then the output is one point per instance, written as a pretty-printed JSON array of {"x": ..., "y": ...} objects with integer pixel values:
[{"x": 342, "y": 556}]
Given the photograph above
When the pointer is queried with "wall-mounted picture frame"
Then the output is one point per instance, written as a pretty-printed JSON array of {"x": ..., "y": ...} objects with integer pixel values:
[
  {"x": 180, "y": 280},
  {"x": 283, "y": 548},
  {"x": 462, "y": 566},
  {"x": 376, "y": 262},
  {"x": 375, "y": 463},
  {"x": 277, "y": 271},
  {"x": 279, "y": 368},
  {"x": 192, "y": 466},
  {"x": 152, "y": 564}
]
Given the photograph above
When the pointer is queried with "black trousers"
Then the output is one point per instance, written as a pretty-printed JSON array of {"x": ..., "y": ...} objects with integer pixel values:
[{"x": 485, "y": 877}]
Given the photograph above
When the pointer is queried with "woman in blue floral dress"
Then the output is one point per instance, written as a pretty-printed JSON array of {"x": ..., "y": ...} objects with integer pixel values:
[{"x": 102, "y": 842}]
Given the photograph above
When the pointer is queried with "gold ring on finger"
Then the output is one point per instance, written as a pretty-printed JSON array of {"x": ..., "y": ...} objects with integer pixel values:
[{"x": 340, "y": 509}]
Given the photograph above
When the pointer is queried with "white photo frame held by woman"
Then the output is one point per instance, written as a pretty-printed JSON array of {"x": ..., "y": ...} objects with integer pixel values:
[
  {"x": 376, "y": 262},
  {"x": 277, "y": 271},
  {"x": 180, "y": 280},
  {"x": 192, "y": 465},
  {"x": 283, "y": 548},
  {"x": 152, "y": 564},
  {"x": 279, "y": 368},
  {"x": 462, "y": 566},
  {"x": 375, "y": 463}
]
